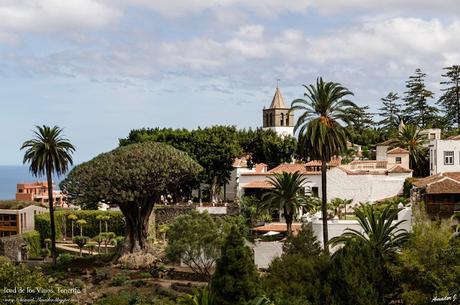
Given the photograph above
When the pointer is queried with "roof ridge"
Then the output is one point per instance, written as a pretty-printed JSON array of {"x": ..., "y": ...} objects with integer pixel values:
[{"x": 278, "y": 101}]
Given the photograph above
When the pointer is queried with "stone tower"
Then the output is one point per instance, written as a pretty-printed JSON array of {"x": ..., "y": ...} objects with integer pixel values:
[{"x": 277, "y": 118}]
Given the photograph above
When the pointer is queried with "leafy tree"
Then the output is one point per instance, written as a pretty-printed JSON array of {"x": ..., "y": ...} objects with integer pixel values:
[
  {"x": 196, "y": 239},
  {"x": 320, "y": 129},
  {"x": 81, "y": 223},
  {"x": 80, "y": 241},
  {"x": 235, "y": 280},
  {"x": 417, "y": 109},
  {"x": 48, "y": 153},
  {"x": 72, "y": 218},
  {"x": 304, "y": 243},
  {"x": 358, "y": 277},
  {"x": 390, "y": 112},
  {"x": 133, "y": 177},
  {"x": 338, "y": 204},
  {"x": 450, "y": 100},
  {"x": 200, "y": 297},
  {"x": 410, "y": 138},
  {"x": 288, "y": 194},
  {"x": 107, "y": 238},
  {"x": 380, "y": 230},
  {"x": 429, "y": 264},
  {"x": 250, "y": 209},
  {"x": 214, "y": 148},
  {"x": 298, "y": 279},
  {"x": 99, "y": 240},
  {"x": 266, "y": 146}
]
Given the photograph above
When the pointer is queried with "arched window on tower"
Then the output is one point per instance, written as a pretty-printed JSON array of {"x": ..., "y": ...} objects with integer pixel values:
[
  {"x": 271, "y": 119},
  {"x": 282, "y": 119},
  {"x": 266, "y": 119},
  {"x": 287, "y": 120}
]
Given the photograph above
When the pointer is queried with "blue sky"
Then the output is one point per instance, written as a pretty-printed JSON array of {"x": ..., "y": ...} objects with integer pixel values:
[{"x": 100, "y": 68}]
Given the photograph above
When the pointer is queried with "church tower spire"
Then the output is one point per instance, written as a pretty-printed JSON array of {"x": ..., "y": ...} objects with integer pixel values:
[{"x": 277, "y": 117}]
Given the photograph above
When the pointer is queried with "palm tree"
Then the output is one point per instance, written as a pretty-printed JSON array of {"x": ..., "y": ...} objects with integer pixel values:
[
  {"x": 324, "y": 109},
  {"x": 48, "y": 153},
  {"x": 380, "y": 230},
  {"x": 288, "y": 194},
  {"x": 410, "y": 138}
]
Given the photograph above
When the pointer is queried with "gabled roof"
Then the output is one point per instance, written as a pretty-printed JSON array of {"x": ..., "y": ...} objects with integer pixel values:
[
  {"x": 385, "y": 143},
  {"x": 257, "y": 185},
  {"x": 278, "y": 101},
  {"x": 397, "y": 150},
  {"x": 292, "y": 168},
  {"x": 444, "y": 183},
  {"x": 399, "y": 169},
  {"x": 456, "y": 137},
  {"x": 333, "y": 162}
]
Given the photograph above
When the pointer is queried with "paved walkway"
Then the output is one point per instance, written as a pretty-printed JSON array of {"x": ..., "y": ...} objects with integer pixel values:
[{"x": 67, "y": 247}]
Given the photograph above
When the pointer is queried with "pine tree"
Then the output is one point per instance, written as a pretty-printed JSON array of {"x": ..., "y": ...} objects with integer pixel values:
[
  {"x": 361, "y": 118},
  {"x": 450, "y": 100},
  {"x": 417, "y": 110},
  {"x": 235, "y": 281},
  {"x": 390, "y": 112}
]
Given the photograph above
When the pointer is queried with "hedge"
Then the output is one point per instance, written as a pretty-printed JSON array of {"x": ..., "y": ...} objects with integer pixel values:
[
  {"x": 32, "y": 239},
  {"x": 116, "y": 223}
]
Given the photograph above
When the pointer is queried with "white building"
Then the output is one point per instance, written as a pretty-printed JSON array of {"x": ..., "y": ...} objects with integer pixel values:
[
  {"x": 361, "y": 181},
  {"x": 17, "y": 221},
  {"x": 445, "y": 155}
]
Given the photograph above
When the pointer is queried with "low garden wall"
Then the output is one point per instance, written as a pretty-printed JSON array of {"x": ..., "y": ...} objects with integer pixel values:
[{"x": 12, "y": 246}]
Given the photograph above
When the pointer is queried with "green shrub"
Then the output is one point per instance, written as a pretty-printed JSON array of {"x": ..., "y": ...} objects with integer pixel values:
[
  {"x": 139, "y": 283},
  {"x": 42, "y": 223},
  {"x": 65, "y": 258},
  {"x": 119, "y": 279},
  {"x": 45, "y": 252},
  {"x": 32, "y": 240}
]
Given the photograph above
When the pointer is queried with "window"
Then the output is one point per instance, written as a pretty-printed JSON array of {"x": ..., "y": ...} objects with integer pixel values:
[
  {"x": 432, "y": 136},
  {"x": 398, "y": 160},
  {"x": 314, "y": 191},
  {"x": 287, "y": 120},
  {"x": 271, "y": 119},
  {"x": 282, "y": 119},
  {"x": 448, "y": 158}
]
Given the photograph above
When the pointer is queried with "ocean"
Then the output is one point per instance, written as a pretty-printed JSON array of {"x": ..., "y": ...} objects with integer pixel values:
[{"x": 10, "y": 175}]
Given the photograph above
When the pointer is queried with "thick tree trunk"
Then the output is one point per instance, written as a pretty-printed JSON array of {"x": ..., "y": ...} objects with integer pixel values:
[
  {"x": 324, "y": 204},
  {"x": 137, "y": 224},
  {"x": 51, "y": 207}
]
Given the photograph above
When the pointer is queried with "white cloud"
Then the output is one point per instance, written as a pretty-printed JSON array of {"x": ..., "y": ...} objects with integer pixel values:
[{"x": 54, "y": 15}]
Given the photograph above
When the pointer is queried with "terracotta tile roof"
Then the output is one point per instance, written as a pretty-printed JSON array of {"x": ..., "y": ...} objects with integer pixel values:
[
  {"x": 292, "y": 168},
  {"x": 399, "y": 169},
  {"x": 260, "y": 167},
  {"x": 257, "y": 185},
  {"x": 444, "y": 183},
  {"x": 277, "y": 227},
  {"x": 397, "y": 150},
  {"x": 240, "y": 162},
  {"x": 333, "y": 162},
  {"x": 456, "y": 137}
]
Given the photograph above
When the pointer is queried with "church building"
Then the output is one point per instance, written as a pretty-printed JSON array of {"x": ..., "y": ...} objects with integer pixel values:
[{"x": 277, "y": 117}]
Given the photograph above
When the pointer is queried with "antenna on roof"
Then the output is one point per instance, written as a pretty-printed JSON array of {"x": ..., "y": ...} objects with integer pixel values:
[{"x": 277, "y": 82}]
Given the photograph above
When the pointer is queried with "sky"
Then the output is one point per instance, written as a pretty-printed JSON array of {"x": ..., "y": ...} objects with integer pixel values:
[{"x": 100, "y": 68}]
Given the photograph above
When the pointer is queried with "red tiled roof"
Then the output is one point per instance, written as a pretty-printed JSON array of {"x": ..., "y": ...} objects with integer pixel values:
[
  {"x": 292, "y": 168},
  {"x": 260, "y": 167},
  {"x": 257, "y": 185},
  {"x": 277, "y": 227},
  {"x": 399, "y": 169},
  {"x": 333, "y": 162},
  {"x": 456, "y": 137},
  {"x": 444, "y": 183},
  {"x": 397, "y": 150},
  {"x": 385, "y": 143}
]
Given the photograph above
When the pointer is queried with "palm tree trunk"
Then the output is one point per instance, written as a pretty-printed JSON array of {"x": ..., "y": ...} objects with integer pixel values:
[
  {"x": 51, "y": 207},
  {"x": 324, "y": 204},
  {"x": 288, "y": 218}
]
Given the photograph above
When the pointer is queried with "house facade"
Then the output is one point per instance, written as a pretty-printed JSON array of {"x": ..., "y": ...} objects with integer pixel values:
[
  {"x": 38, "y": 192},
  {"x": 444, "y": 155},
  {"x": 18, "y": 221},
  {"x": 361, "y": 181}
]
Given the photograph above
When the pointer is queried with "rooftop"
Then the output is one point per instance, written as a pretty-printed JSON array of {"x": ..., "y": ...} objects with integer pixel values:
[
  {"x": 444, "y": 183},
  {"x": 397, "y": 150},
  {"x": 15, "y": 204},
  {"x": 278, "y": 101}
]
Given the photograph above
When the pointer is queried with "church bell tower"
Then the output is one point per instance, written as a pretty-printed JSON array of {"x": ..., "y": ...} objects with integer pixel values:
[{"x": 277, "y": 117}]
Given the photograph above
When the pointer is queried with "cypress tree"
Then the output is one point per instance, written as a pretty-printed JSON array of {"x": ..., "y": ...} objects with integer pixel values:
[
  {"x": 417, "y": 110},
  {"x": 235, "y": 281},
  {"x": 450, "y": 100},
  {"x": 390, "y": 112}
]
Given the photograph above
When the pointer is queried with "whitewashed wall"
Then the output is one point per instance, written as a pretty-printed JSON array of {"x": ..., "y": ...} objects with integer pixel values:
[{"x": 437, "y": 149}]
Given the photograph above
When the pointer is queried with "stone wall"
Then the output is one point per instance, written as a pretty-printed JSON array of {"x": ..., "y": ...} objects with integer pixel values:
[
  {"x": 167, "y": 214},
  {"x": 12, "y": 247}
]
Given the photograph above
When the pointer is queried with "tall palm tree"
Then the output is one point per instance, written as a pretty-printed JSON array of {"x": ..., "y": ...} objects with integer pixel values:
[
  {"x": 324, "y": 110},
  {"x": 380, "y": 230},
  {"x": 410, "y": 138},
  {"x": 48, "y": 153},
  {"x": 288, "y": 194}
]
